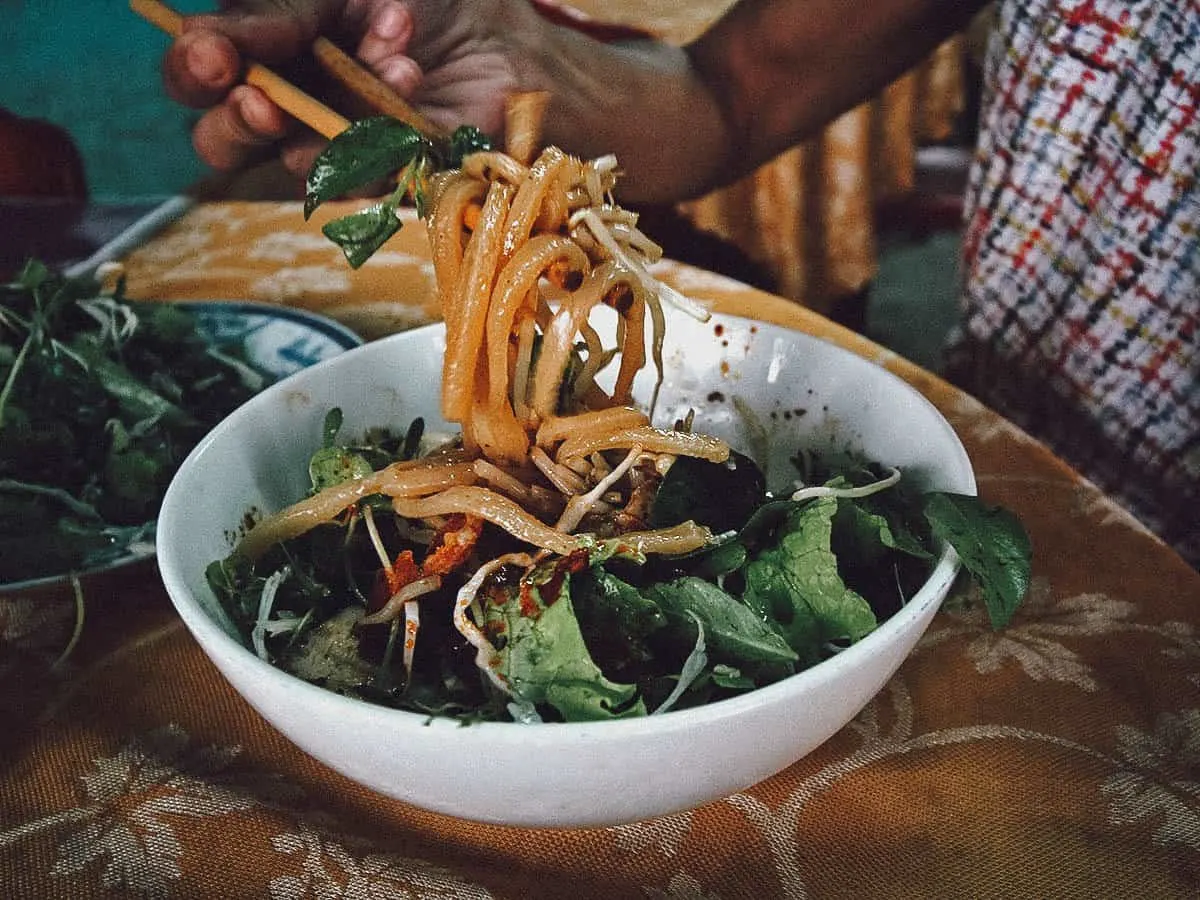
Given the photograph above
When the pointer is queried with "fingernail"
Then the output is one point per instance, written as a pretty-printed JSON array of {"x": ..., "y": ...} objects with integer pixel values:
[
  {"x": 399, "y": 73},
  {"x": 389, "y": 23},
  {"x": 205, "y": 61},
  {"x": 245, "y": 103}
]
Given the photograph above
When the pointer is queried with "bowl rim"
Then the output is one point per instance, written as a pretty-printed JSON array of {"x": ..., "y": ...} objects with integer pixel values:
[{"x": 213, "y": 636}]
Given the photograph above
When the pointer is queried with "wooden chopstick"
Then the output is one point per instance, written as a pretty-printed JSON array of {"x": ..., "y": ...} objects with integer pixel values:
[
  {"x": 362, "y": 83},
  {"x": 312, "y": 112}
]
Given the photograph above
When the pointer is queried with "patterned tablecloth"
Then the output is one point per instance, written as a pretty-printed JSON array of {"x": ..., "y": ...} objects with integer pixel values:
[{"x": 1058, "y": 758}]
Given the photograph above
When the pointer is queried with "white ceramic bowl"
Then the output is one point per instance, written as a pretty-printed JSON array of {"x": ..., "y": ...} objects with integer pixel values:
[{"x": 801, "y": 390}]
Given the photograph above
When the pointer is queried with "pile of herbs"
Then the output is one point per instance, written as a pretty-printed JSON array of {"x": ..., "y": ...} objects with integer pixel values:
[
  {"x": 606, "y": 632},
  {"x": 101, "y": 399}
]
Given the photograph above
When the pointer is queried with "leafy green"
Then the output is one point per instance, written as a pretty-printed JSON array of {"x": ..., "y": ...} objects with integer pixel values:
[
  {"x": 465, "y": 140},
  {"x": 377, "y": 149},
  {"x": 361, "y": 233},
  {"x": 368, "y": 150},
  {"x": 720, "y": 495},
  {"x": 333, "y": 464},
  {"x": 544, "y": 657},
  {"x": 992, "y": 544},
  {"x": 796, "y": 583},
  {"x": 619, "y": 620},
  {"x": 866, "y": 535},
  {"x": 100, "y": 400},
  {"x": 735, "y": 634}
]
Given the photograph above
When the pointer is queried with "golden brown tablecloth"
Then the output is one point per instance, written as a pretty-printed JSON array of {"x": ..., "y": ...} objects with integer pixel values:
[{"x": 1058, "y": 758}]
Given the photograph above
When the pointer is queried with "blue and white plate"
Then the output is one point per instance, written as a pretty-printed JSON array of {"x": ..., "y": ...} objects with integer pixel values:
[{"x": 278, "y": 340}]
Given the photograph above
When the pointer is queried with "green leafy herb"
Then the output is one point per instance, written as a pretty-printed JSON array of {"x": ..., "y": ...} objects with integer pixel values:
[
  {"x": 373, "y": 150},
  {"x": 544, "y": 656},
  {"x": 369, "y": 150},
  {"x": 465, "y": 140},
  {"x": 100, "y": 400},
  {"x": 796, "y": 583},
  {"x": 720, "y": 495},
  {"x": 735, "y": 634},
  {"x": 361, "y": 233},
  {"x": 992, "y": 544},
  {"x": 333, "y": 464}
]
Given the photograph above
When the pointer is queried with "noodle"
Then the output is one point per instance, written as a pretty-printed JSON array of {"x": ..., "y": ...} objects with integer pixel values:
[
  {"x": 505, "y": 481},
  {"x": 600, "y": 421},
  {"x": 465, "y": 325},
  {"x": 403, "y": 479},
  {"x": 542, "y": 177},
  {"x": 566, "y": 480},
  {"x": 652, "y": 440},
  {"x": 526, "y": 333},
  {"x": 496, "y": 508},
  {"x": 581, "y": 504},
  {"x": 455, "y": 196},
  {"x": 493, "y": 166},
  {"x": 516, "y": 282},
  {"x": 674, "y": 541},
  {"x": 394, "y": 608},
  {"x": 602, "y": 282},
  {"x": 633, "y": 348}
]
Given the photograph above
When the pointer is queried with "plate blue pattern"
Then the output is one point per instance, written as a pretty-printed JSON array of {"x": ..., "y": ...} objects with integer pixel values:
[{"x": 278, "y": 340}]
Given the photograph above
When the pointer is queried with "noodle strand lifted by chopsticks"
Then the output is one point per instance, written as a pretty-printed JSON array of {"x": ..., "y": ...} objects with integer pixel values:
[
  {"x": 466, "y": 320},
  {"x": 458, "y": 199}
]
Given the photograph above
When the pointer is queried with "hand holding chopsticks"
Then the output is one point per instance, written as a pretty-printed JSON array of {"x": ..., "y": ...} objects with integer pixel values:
[{"x": 302, "y": 106}]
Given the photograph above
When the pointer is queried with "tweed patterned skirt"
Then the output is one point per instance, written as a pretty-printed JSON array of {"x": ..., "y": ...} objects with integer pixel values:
[{"x": 1081, "y": 261}]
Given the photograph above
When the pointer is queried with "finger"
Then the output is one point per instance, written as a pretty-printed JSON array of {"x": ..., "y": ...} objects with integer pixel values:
[
  {"x": 384, "y": 45},
  {"x": 299, "y": 154},
  {"x": 265, "y": 37},
  {"x": 387, "y": 35},
  {"x": 200, "y": 67},
  {"x": 229, "y": 134},
  {"x": 401, "y": 74}
]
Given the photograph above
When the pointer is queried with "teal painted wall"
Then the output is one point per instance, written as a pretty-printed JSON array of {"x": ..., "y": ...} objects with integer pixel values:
[{"x": 91, "y": 66}]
